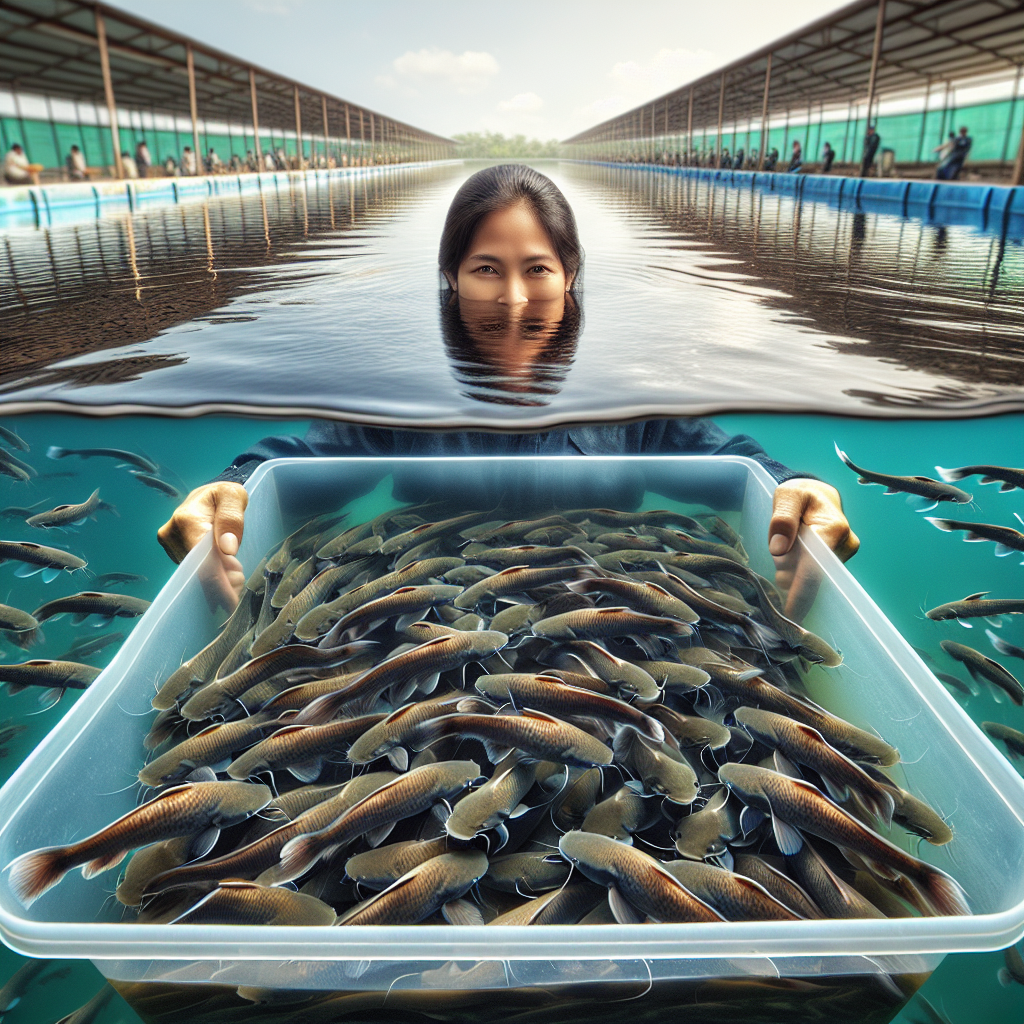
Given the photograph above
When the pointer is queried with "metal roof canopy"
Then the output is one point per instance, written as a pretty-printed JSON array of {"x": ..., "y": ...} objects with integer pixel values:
[
  {"x": 52, "y": 47},
  {"x": 829, "y": 63}
]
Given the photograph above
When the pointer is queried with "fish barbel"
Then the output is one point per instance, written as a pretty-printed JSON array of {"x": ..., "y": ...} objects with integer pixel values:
[
  {"x": 190, "y": 809},
  {"x": 799, "y": 805},
  {"x": 491, "y": 804},
  {"x": 38, "y": 558}
]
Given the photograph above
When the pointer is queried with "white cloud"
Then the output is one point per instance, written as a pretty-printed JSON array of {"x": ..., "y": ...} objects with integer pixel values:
[
  {"x": 523, "y": 103},
  {"x": 634, "y": 81},
  {"x": 279, "y": 7},
  {"x": 464, "y": 73}
]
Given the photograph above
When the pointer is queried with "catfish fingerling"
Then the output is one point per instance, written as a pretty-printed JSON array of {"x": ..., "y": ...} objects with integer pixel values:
[{"x": 930, "y": 491}]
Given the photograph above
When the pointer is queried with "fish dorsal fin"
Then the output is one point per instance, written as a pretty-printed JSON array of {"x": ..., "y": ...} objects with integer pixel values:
[
  {"x": 810, "y": 733},
  {"x": 401, "y": 713},
  {"x": 403, "y": 590},
  {"x": 238, "y": 883},
  {"x": 614, "y": 611},
  {"x": 286, "y": 730},
  {"x": 978, "y": 596},
  {"x": 539, "y": 716},
  {"x": 60, "y": 508},
  {"x": 924, "y": 479},
  {"x": 40, "y": 661},
  {"x": 209, "y": 729},
  {"x": 90, "y": 593},
  {"x": 435, "y": 641},
  {"x": 513, "y": 570},
  {"x": 657, "y": 587}
]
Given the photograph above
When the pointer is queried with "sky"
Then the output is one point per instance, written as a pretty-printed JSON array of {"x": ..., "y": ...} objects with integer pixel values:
[{"x": 546, "y": 69}]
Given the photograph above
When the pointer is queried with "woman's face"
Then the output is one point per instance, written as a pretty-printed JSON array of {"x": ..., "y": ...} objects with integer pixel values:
[{"x": 511, "y": 260}]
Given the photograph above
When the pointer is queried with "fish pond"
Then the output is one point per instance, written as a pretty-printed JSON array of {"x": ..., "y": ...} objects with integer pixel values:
[{"x": 796, "y": 323}]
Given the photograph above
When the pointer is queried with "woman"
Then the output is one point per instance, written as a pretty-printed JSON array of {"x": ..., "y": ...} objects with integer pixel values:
[{"x": 510, "y": 245}]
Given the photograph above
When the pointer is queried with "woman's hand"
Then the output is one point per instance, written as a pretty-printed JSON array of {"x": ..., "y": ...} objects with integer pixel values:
[
  {"x": 219, "y": 507},
  {"x": 818, "y": 506}
]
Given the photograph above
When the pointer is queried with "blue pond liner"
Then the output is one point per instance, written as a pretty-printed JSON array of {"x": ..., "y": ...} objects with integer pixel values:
[{"x": 982, "y": 206}]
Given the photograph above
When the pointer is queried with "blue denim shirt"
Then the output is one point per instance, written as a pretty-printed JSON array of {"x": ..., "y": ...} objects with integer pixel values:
[
  {"x": 687, "y": 436},
  {"x": 618, "y": 488}
]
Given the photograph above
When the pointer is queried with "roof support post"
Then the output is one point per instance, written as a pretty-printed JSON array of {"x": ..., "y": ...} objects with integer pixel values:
[
  {"x": 1009, "y": 123},
  {"x": 298, "y": 123},
  {"x": 255, "y": 119},
  {"x": 721, "y": 111},
  {"x": 348, "y": 135},
  {"x": 327, "y": 143},
  {"x": 373, "y": 141},
  {"x": 924, "y": 120},
  {"x": 764, "y": 115},
  {"x": 1018, "y": 164},
  {"x": 876, "y": 51},
  {"x": 689, "y": 126},
  {"x": 108, "y": 89},
  {"x": 193, "y": 106},
  {"x": 654, "y": 132}
]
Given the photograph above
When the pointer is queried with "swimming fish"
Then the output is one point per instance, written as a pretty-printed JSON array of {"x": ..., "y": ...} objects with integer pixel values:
[
  {"x": 985, "y": 669},
  {"x": 1013, "y": 971},
  {"x": 492, "y": 803},
  {"x": 379, "y": 867},
  {"x": 929, "y": 492},
  {"x": 65, "y": 517},
  {"x": 518, "y": 579},
  {"x": 1010, "y": 479},
  {"x": 705, "y": 834},
  {"x": 109, "y": 579},
  {"x": 638, "y": 885},
  {"x": 1006, "y": 539},
  {"x": 1004, "y": 647},
  {"x": 974, "y": 606},
  {"x": 36, "y": 558},
  {"x": 626, "y": 811},
  {"x": 1013, "y": 738},
  {"x": 12, "y": 466},
  {"x": 18, "y": 626},
  {"x": 605, "y": 623},
  {"x": 13, "y": 440},
  {"x": 736, "y": 897},
  {"x": 127, "y": 458},
  {"x": 89, "y": 1013},
  {"x": 54, "y": 676},
  {"x": 201, "y": 809},
  {"x": 106, "y": 607},
  {"x": 528, "y": 873},
  {"x": 17, "y": 512},
  {"x": 387, "y": 737},
  {"x": 156, "y": 483}
]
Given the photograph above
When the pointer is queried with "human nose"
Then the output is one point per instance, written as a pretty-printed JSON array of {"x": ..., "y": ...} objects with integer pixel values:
[{"x": 514, "y": 293}]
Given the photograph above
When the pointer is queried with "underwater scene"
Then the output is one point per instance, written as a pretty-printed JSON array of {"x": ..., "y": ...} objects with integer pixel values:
[{"x": 857, "y": 347}]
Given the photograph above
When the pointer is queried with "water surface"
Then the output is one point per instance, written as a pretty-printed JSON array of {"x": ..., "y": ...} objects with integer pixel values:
[{"x": 696, "y": 298}]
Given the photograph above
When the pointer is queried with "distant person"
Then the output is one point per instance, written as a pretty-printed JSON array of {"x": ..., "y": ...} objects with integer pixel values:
[
  {"x": 214, "y": 164},
  {"x": 17, "y": 170},
  {"x": 772, "y": 160},
  {"x": 737, "y": 160},
  {"x": 235, "y": 164},
  {"x": 724, "y": 159},
  {"x": 828, "y": 154},
  {"x": 282, "y": 159},
  {"x": 128, "y": 165},
  {"x": 143, "y": 161},
  {"x": 872, "y": 140},
  {"x": 796, "y": 161},
  {"x": 269, "y": 163},
  {"x": 75, "y": 164},
  {"x": 943, "y": 150},
  {"x": 171, "y": 168},
  {"x": 949, "y": 169},
  {"x": 250, "y": 161},
  {"x": 188, "y": 161}
]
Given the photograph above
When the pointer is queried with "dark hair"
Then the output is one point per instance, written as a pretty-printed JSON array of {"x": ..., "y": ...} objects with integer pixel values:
[{"x": 497, "y": 188}]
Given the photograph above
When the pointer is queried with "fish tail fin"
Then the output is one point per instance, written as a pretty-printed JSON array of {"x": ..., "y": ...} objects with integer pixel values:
[
  {"x": 655, "y": 732},
  {"x": 1004, "y": 977},
  {"x": 108, "y": 507},
  {"x": 104, "y": 863},
  {"x": 762, "y": 636},
  {"x": 845, "y": 458},
  {"x": 35, "y": 872},
  {"x": 27, "y": 638},
  {"x": 946, "y": 525},
  {"x": 55, "y": 452},
  {"x": 952, "y": 475},
  {"x": 943, "y": 892},
  {"x": 297, "y": 856}
]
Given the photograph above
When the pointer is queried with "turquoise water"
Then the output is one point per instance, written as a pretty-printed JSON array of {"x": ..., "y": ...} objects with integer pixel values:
[{"x": 904, "y": 564}]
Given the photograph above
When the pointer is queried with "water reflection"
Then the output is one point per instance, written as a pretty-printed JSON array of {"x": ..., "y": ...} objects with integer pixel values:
[
  {"x": 511, "y": 355},
  {"x": 321, "y": 299}
]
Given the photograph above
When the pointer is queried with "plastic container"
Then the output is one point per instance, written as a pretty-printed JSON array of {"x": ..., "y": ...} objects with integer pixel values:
[{"x": 863, "y": 970}]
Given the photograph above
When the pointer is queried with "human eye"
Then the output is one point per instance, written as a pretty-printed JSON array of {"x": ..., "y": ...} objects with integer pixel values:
[
  {"x": 539, "y": 270},
  {"x": 485, "y": 270}
]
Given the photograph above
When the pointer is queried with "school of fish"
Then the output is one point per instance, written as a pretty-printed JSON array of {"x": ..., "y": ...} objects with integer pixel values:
[{"x": 592, "y": 716}]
